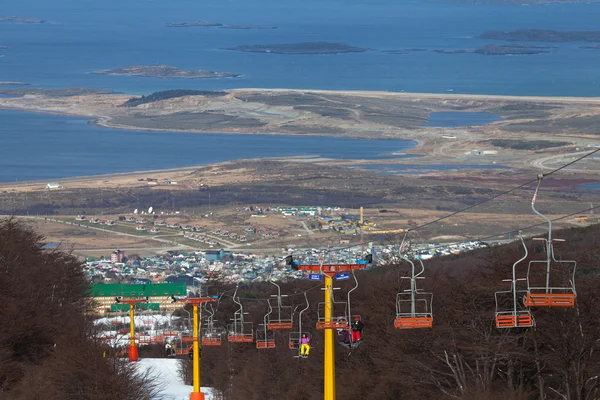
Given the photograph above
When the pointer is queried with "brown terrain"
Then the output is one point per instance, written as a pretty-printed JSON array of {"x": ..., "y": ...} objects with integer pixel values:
[{"x": 536, "y": 135}]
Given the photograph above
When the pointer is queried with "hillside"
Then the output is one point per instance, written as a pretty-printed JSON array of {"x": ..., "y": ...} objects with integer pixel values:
[
  {"x": 46, "y": 341},
  {"x": 463, "y": 356}
]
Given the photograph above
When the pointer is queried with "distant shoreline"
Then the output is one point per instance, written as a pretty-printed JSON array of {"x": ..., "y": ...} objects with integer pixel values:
[
  {"x": 231, "y": 113},
  {"x": 105, "y": 121}
]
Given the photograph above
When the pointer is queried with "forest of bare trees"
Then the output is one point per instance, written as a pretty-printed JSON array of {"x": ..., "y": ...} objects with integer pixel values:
[
  {"x": 47, "y": 350},
  {"x": 463, "y": 357}
]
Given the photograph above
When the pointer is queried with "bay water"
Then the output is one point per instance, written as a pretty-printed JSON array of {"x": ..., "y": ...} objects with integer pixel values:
[{"x": 88, "y": 35}]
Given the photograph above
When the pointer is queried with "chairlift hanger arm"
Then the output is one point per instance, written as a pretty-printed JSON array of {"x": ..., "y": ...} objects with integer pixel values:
[{"x": 535, "y": 194}]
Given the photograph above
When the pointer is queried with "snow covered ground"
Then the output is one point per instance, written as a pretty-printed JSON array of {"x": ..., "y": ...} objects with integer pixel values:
[
  {"x": 150, "y": 328},
  {"x": 144, "y": 319},
  {"x": 165, "y": 371}
]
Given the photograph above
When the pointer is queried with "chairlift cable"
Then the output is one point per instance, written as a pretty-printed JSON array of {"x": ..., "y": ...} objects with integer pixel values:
[
  {"x": 483, "y": 239},
  {"x": 572, "y": 162},
  {"x": 484, "y": 201},
  {"x": 265, "y": 299}
]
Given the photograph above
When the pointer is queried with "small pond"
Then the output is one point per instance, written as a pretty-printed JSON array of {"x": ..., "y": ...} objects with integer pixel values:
[
  {"x": 590, "y": 186},
  {"x": 458, "y": 119}
]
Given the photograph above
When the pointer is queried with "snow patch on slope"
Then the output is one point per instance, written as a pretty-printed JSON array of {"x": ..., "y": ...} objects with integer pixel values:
[{"x": 165, "y": 371}]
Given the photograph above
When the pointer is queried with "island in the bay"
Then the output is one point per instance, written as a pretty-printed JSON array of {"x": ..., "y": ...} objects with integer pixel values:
[
  {"x": 494, "y": 50},
  {"x": 24, "y": 20},
  {"x": 212, "y": 24},
  {"x": 12, "y": 83},
  {"x": 203, "y": 23},
  {"x": 166, "y": 71},
  {"x": 594, "y": 46},
  {"x": 542, "y": 35},
  {"x": 299, "y": 48}
]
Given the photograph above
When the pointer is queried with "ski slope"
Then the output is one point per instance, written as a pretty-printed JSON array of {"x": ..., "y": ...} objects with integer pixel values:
[{"x": 165, "y": 371}]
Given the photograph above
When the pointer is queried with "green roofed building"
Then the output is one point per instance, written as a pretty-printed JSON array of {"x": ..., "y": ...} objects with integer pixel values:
[{"x": 159, "y": 296}]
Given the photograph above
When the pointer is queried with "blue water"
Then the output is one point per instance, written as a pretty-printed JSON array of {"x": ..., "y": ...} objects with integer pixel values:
[
  {"x": 590, "y": 186},
  {"x": 456, "y": 119},
  {"x": 37, "y": 146},
  {"x": 91, "y": 35}
]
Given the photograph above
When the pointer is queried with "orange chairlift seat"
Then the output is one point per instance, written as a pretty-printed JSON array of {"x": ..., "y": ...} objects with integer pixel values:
[
  {"x": 239, "y": 331},
  {"x": 264, "y": 336},
  {"x": 211, "y": 341},
  {"x": 281, "y": 317},
  {"x": 264, "y": 339},
  {"x": 339, "y": 322},
  {"x": 513, "y": 315},
  {"x": 548, "y": 294},
  {"x": 414, "y": 307},
  {"x": 238, "y": 336}
]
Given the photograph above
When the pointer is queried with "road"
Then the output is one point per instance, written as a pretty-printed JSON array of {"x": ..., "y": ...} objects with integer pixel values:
[
  {"x": 156, "y": 238},
  {"x": 562, "y": 158},
  {"x": 169, "y": 244},
  {"x": 306, "y": 228}
]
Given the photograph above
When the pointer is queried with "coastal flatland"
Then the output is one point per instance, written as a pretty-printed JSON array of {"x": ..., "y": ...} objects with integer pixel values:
[{"x": 535, "y": 134}]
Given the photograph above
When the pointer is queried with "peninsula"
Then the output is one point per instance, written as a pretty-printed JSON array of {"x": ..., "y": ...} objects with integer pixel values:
[
  {"x": 300, "y": 48},
  {"x": 23, "y": 20},
  {"x": 542, "y": 35},
  {"x": 166, "y": 71},
  {"x": 494, "y": 50}
]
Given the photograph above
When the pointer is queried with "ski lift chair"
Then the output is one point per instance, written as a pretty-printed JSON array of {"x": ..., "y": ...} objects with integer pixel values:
[
  {"x": 239, "y": 331},
  {"x": 414, "y": 307},
  {"x": 514, "y": 316},
  {"x": 294, "y": 337},
  {"x": 281, "y": 317},
  {"x": 546, "y": 295},
  {"x": 211, "y": 336},
  {"x": 264, "y": 337}
]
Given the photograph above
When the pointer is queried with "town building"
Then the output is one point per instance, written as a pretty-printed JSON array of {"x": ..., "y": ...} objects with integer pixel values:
[
  {"x": 159, "y": 296},
  {"x": 117, "y": 256},
  {"x": 216, "y": 255}
]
